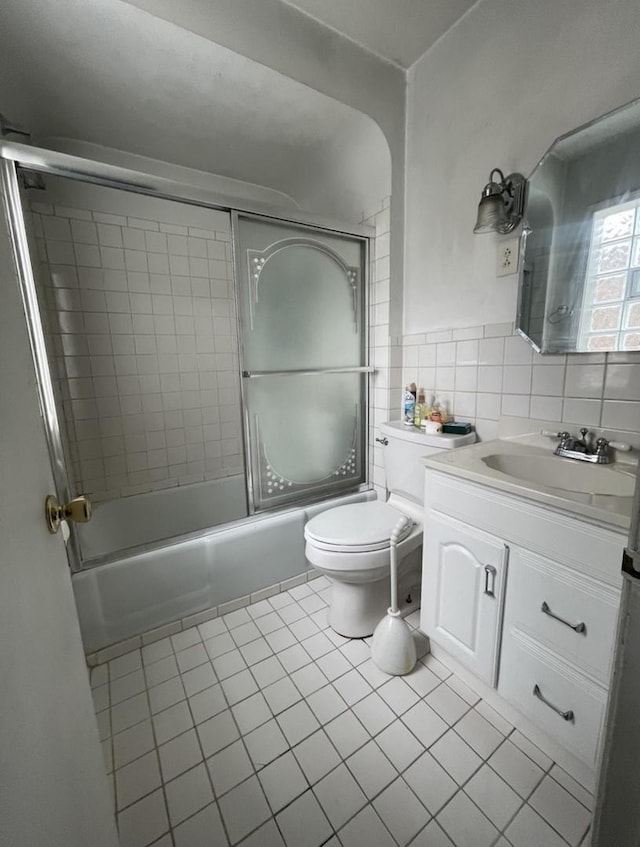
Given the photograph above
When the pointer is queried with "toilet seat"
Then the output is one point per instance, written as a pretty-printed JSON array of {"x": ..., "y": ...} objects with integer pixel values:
[{"x": 355, "y": 528}]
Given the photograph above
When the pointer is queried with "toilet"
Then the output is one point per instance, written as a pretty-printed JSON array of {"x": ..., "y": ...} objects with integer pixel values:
[{"x": 350, "y": 544}]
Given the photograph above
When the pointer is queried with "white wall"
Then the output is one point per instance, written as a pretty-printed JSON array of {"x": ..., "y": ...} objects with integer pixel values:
[{"x": 495, "y": 91}]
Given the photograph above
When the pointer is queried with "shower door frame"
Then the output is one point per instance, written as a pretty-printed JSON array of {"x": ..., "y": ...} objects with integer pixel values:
[{"x": 14, "y": 156}]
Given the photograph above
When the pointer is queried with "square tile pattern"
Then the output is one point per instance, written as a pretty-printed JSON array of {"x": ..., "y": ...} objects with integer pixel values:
[{"x": 268, "y": 728}]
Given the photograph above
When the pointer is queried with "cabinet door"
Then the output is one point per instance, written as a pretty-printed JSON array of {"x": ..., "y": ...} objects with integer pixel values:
[{"x": 463, "y": 579}]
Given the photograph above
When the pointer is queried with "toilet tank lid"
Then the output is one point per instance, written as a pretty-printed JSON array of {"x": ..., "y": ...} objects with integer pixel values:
[
  {"x": 443, "y": 440},
  {"x": 357, "y": 525}
]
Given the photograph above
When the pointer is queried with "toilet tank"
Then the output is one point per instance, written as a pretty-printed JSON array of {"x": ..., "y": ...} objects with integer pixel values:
[{"x": 406, "y": 446}]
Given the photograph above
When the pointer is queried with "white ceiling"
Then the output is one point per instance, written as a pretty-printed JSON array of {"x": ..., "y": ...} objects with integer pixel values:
[{"x": 397, "y": 30}]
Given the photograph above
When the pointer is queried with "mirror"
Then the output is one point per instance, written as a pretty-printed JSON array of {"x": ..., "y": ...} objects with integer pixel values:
[{"x": 579, "y": 285}]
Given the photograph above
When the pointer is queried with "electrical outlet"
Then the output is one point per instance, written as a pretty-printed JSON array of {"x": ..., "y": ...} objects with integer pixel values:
[{"x": 508, "y": 257}]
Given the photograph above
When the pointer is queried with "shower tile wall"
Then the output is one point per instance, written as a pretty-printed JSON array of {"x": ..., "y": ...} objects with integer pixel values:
[
  {"x": 140, "y": 317},
  {"x": 485, "y": 372}
]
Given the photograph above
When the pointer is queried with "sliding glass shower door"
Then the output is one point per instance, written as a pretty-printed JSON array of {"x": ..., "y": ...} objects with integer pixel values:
[{"x": 303, "y": 351}]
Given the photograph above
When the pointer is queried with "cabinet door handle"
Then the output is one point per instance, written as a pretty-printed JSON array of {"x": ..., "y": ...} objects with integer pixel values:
[
  {"x": 490, "y": 574},
  {"x": 384, "y": 441},
  {"x": 576, "y": 627},
  {"x": 566, "y": 716}
]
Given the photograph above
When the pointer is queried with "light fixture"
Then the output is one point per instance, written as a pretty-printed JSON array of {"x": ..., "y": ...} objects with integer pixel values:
[{"x": 501, "y": 203}]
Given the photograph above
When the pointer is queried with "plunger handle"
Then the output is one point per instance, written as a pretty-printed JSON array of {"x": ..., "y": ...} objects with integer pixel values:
[{"x": 397, "y": 531}]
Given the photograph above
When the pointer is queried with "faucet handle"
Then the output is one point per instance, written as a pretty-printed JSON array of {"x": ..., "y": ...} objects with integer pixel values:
[
  {"x": 621, "y": 445},
  {"x": 602, "y": 447}
]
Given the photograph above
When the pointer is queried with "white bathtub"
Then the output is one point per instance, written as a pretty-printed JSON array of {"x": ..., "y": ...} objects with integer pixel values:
[{"x": 134, "y": 594}]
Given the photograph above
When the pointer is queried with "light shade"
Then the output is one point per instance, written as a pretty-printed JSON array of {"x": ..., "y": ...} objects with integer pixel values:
[{"x": 501, "y": 203}]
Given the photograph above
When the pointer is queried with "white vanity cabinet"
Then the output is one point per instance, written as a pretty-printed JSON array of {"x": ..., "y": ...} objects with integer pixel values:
[
  {"x": 545, "y": 639},
  {"x": 463, "y": 592}
]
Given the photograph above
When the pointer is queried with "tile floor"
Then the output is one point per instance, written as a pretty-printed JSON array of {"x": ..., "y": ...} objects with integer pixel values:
[{"x": 265, "y": 728}]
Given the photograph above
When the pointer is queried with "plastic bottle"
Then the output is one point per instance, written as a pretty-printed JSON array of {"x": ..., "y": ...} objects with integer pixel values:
[
  {"x": 419, "y": 408},
  {"x": 409, "y": 404}
]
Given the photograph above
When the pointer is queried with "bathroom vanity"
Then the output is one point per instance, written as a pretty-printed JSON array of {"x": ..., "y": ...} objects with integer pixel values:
[{"x": 521, "y": 581}]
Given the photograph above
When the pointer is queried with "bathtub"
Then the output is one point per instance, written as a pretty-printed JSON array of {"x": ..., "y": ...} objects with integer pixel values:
[{"x": 137, "y": 593}]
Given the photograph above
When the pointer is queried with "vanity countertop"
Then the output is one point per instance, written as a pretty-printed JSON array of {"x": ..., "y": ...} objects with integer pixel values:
[{"x": 604, "y": 492}]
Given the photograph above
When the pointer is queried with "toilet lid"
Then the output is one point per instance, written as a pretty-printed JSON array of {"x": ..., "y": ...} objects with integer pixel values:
[{"x": 358, "y": 527}]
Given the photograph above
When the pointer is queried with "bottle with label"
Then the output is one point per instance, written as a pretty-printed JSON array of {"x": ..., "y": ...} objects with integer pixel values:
[
  {"x": 409, "y": 404},
  {"x": 418, "y": 412}
]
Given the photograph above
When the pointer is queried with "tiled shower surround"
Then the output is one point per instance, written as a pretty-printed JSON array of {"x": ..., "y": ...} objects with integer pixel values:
[
  {"x": 140, "y": 319},
  {"x": 484, "y": 372}
]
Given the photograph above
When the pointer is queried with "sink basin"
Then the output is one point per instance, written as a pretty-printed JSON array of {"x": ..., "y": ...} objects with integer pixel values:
[{"x": 564, "y": 474}]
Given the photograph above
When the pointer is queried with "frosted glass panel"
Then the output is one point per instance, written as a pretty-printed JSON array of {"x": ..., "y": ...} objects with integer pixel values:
[
  {"x": 302, "y": 308},
  {"x": 305, "y": 435},
  {"x": 302, "y": 298}
]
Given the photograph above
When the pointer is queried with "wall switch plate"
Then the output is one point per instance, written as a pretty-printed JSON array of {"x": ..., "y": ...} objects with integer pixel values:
[{"x": 508, "y": 254}]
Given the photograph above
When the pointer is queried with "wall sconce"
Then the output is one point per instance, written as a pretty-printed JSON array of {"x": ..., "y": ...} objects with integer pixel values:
[{"x": 501, "y": 203}]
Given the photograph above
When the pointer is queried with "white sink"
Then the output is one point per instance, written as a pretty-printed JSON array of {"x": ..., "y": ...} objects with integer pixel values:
[{"x": 564, "y": 474}]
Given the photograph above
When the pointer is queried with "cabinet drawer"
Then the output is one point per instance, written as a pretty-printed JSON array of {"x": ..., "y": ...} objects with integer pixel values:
[
  {"x": 524, "y": 665},
  {"x": 539, "y": 592}
]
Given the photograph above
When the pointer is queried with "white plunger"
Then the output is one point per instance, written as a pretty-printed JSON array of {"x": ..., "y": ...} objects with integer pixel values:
[{"x": 393, "y": 648}]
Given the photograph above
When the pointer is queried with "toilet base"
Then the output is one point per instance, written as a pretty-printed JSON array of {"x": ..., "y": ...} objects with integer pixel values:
[{"x": 355, "y": 609}]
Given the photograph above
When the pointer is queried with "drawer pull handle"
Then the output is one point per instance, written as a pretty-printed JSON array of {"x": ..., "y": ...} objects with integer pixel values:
[
  {"x": 576, "y": 627},
  {"x": 490, "y": 574},
  {"x": 566, "y": 716},
  {"x": 384, "y": 441}
]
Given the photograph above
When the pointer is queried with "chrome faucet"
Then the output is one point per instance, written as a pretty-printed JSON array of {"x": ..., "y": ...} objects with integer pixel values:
[{"x": 585, "y": 449}]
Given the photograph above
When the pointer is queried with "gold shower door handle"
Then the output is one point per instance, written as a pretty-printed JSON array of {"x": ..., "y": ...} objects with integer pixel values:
[{"x": 77, "y": 510}]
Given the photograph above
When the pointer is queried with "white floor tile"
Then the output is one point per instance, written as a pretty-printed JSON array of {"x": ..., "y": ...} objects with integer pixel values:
[
  {"x": 268, "y": 671},
  {"x": 318, "y": 645},
  {"x": 316, "y": 756},
  {"x": 205, "y": 704},
  {"x": 373, "y": 713},
  {"x": 185, "y": 639},
  {"x": 161, "y": 670},
  {"x": 280, "y": 639},
  {"x": 313, "y": 603},
  {"x": 529, "y": 749},
  {"x": 430, "y": 782},
  {"x": 198, "y": 679},
  {"x": 479, "y": 734},
  {"x": 132, "y": 743},
  {"x": 333, "y": 664},
  {"x": 402, "y": 812},
  {"x": 356, "y": 651},
  {"x": 258, "y": 610},
  {"x": 304, "y": 822},
  {"x": 187, "y": 794},
  {"x": 300, "y": 591},
  {"x": 424, "y": 723},
  {"x": 366, "y": 829},
  {"x": 237, "y": 618},
  {"x": 228, "y": 664},
  {"x": 561, "y": 810},
  {"x": 137, "y": 779},
  {"x": 281, "y": 695},
  {"x": 173, "y": 721},
  {"x": 166, "y": 694},
  {"x": 303, "y": 628},
  {"x": 209, "y": 629},
  {"x": 238, "y": 687},
  {"x": 463, "y": 690},
  {"x": 488, "y": 713},
  {"x": 217, "y": 733},
  {"x": 352, "y": 687},
  {"x": 371, "y": 769},
  {"x": 370, "y": 671},
  {"x": 490, "y": 793},
  {"x": 202, "y": 830},
  {"x": 579, "y": 792},
  {"x": 279, "y": 601},
  {"x": 282, "y": 781},
  {"x": 100, "y": 696},
  {"x": 179, "y": 755},
  {"x": 256, "y": 651},
  {"x": 251, "y": 713},
  {"x": 447, "y": 704},
  {"x": 126, "y": 686},
  {"x": 528, "y": 828},
  {"x": 399, "y": 745},
  {"x": 124, "y": 665},
  {"x": 435, "y": 665},
  {"x": 219, "y": 645},
  {"x": 107, "y": 755},
  {"x": 229, "y": 768},
  {"x": 291, "y": 613},
  {"x": 432, "y": 836},
  {"x": 516, "y": 769},
  {"x": 152, "y": 653},
  {"x": 144, "y": 822},
  {"x": 340, "y": 796},
  {"x": 398, "y": 695},
  {"x": 244, "y": 809},
  {"x": 245, "y": 633},
  {"x": 297, "y": 722},
  {"x": 266, "y": 836},
  {"x": 294, "y": 657},
  {"x": 308, "y": 679},
  {"x": 465, "y": 824},
  {"x": 192, "y": 657},
  {"x": 326, "y": 704},
  {"x": 456, "y": 757},
  {"x": 265, "y": 744},
  {"x": 100, "y": 675},
  {"x": 347, "y": 734},
  {"x": 103, "y": 722}
]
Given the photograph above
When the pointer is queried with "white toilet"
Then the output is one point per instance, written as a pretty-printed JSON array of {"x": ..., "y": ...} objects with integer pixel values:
[{"x": 350, "y": 544}]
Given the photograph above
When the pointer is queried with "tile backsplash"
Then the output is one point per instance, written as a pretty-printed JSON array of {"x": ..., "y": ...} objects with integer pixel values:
[
  {"x": 484, "y": 372},
  {"x": 140, "y": 320}
]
